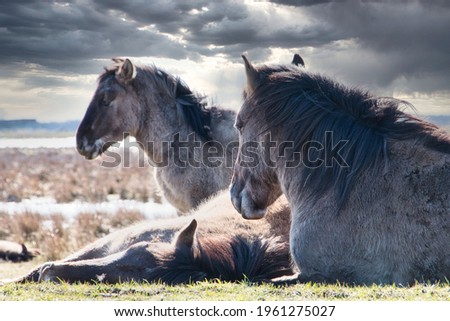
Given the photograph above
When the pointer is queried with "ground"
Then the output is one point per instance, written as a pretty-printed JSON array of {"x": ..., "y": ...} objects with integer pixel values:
[{"x": 66, "y": 177}]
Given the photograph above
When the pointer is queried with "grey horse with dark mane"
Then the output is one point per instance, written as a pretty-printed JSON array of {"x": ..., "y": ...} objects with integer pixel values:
[
  {"x": 367, "y": 183},
  {"x": 170, "y": 122}
]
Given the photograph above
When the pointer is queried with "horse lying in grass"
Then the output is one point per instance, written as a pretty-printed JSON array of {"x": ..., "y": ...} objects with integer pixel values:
[
  {"x": 189, "y": 258},
  {"x": 367, "y": 183},
  {"x": 224, "y": 247},
  {"x": 173, "y": 125},
  {"x": 16, "y": 252}
]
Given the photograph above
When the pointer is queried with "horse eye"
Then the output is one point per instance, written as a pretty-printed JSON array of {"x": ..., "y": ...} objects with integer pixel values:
[
  {"x": 107, "y": 98},
  {"x": 105, "y": 102}
]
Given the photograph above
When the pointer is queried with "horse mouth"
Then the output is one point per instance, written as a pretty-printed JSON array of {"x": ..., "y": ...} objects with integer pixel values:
[
  {"x": 247, "y": 208},
  {"x": 92, "y": 151},
  {"x": 105, "y": 146},
  {"x": 254, "y": 213}
]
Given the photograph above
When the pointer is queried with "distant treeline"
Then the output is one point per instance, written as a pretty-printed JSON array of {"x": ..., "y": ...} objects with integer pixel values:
[{"x": 72, "y": 125}]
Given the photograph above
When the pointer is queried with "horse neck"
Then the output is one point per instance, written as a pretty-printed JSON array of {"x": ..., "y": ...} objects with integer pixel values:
[
  {"x": 158, "y": 128},
  {"x": 232, "y": 259},
  {"x": 164, "y": 129},
  {"x": 292, "y": 189},
  {"x": 226, "y": 257},
  {"x": 156, "y": 140}
]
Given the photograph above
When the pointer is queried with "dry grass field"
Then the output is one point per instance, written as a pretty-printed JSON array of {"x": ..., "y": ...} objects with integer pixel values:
[{"x": 65, "y": 176}]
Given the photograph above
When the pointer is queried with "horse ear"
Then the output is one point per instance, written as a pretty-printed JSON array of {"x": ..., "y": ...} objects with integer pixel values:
[
  {"x": 127, "y": 71},
  {"x": 24, "y": 249},
  {"x": 252, "y": 75},
  {"x": 297, "y": 60},
  {"x": 187, "y": 235}
]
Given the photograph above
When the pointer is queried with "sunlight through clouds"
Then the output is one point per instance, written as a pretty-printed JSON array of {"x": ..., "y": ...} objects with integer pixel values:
[{"x": 52, "y": 53}]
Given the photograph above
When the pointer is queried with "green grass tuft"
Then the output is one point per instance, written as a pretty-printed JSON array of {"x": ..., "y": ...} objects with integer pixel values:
[{"x": 220, "y": 291}]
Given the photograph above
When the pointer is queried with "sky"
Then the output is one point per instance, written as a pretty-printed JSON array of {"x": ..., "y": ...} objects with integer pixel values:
[{"x": 51, "y": 52}]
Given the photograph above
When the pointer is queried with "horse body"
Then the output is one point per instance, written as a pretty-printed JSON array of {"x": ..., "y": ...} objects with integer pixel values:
[
  {"x": 186, "y": 187},
  {"x": 137, "y": 246},
  {"x": 189, "y": 258},
  {"x": 391, "y": 230},
  {"x": 159, "y": 110},
  {"x": 381, "y": 215},
  {"x": 15, "y": 252}
]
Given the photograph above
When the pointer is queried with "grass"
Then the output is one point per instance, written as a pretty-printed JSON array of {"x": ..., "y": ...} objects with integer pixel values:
[
  {"x": 55, "y": 237},
  {"x": 209, "y": 291},
  {"x": 219, "y": 291},
  {"x": 66, "y": 176}
]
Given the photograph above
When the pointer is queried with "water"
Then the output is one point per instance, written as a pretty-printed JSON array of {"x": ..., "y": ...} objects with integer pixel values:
[
  {"x": 58, "y": 142},
  {"x": 48, "y": 206}
]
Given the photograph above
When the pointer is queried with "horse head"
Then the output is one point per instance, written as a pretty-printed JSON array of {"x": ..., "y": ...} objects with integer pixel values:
[
  {"x": 254, "y": 184},
  {"x": 112, "y": 111}
]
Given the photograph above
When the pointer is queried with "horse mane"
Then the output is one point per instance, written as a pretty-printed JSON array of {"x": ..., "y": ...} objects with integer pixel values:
[
  {"x": 311, "y": 105},
  {"x": 194, "y": 110},
  {"x": 192, "y": 106},
  {"x": 226, "y": 258}
]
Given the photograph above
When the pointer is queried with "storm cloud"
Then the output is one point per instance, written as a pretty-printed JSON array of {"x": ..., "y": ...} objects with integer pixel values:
[{"x": 385, "y": 46}]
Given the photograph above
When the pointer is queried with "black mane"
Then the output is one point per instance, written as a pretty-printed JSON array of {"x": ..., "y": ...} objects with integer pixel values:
[
  {"x": 194, "y": 110},
  {"x": 226, "y": 258},
  {"x": 309, "y": 105},
  {"x": 192, "y": 106}
]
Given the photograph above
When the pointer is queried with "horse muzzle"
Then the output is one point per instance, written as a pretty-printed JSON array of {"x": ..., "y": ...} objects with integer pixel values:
[
  {"x": 244, "y": 204},
  {"x": 88, "y": 150}
]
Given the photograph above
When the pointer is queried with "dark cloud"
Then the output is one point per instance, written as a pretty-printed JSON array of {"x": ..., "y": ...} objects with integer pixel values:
[
  {"x": 298, "y": 3},
  {"x": 403, "y": 39},
  {"x": 67, "y": 36},
  {"x": 410, "y": 38}
]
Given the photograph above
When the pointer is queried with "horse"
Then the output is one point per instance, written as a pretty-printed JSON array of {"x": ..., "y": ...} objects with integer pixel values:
[
  {"x": 368, "y": 184},
  {"x": 16, "y": 252},
  {"x": 160, "y": 110},
  {"x": 244, "y": 247},
  {"x": 188, "y": 258},
  {"x": 191, "y": 145}
]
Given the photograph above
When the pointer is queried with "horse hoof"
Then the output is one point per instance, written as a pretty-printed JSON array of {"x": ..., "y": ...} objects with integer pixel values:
[
  {"x": 43, "y": 273},
  {"x": 286, "y": 280}
]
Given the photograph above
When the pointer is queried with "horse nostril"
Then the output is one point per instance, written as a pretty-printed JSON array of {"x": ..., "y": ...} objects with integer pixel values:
[
  {"x": 235, "y": 199},
  {"x": 236, "y": 203},
  {"x": 80, "y": 148},
  {"x": 81, "y": 144}
]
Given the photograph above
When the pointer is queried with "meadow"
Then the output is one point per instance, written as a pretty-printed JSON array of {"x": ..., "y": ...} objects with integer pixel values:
[{"x": 66, "y": 177}]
